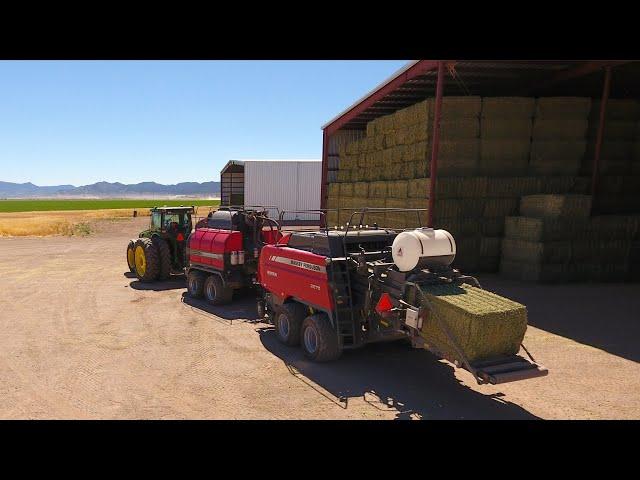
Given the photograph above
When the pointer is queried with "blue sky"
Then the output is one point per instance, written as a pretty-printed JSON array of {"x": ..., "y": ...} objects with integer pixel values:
[{"x": 80, "y": 122}]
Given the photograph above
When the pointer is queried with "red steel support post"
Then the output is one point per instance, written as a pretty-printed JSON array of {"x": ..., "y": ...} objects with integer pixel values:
[
  {"x": 603, "y": 107},
  {"x": 325, "y": 170},
  {"x": 433, "y": 174}
]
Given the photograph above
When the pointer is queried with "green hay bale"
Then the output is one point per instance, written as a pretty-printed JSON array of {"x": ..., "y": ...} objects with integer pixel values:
[
  {"x": 492, "y": 226},
  {"x": 378, "y": 189},
  {"x": 349, "y": 162},
  {"x": 508, "y": 107},
  {"x": 544, "y": 229},
  {"x": 373, "y": 174},
  {"x": 346, "y": 189},
  {"x": 361, "y": 189},
  {"x": 490, "y": 246},
  {"x": 370, "y": 145},
  {"x": 401, "y": 220},
  {"x": 390, "y": 140},
  {"x": 506, "y": 129},
  {"x": 546, "y": 167},
  {"x": 500, "y": 207},
  {"x": 344, "y": 176},
  {"x": 397, "y": 189},
  {"x": 513, "y": 186},
  {"x": 421, "y": 169},
  {"x": 617, "y": 109},
  {"x": 359, "y": 175},
  {"x": 559, "y": 129},
  {"x": 557, "y": 150},
  {"x": 417, "y": 133},
  {"x": 387, "y": 157},
  {"x": 484, "y": 325},
  {"x": 553, "y": 206},
  {"x": 333, "y": 202},
  {"x": 333, "y": 190},
  {"x": 614, "y": 130},
  {"x": 543, "y": 273},
  {"x": 597, "y": 249},
  {"x": 378, "y": 141},
  {"x": 536, "y": 252},
  {"x": 455, "y": 107},
  {"x": 396, "y": 171},
  {"x": 351, "y": 148},
  {"x": 402, "y": 137},
  {"x": 562, "y": 107},
  {"x": 399, "y": 154},
  {"x": 504, "y": 157}
]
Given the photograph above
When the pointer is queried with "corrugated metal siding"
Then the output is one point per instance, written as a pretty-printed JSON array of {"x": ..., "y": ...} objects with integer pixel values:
[{"x": 290, "y": 185}]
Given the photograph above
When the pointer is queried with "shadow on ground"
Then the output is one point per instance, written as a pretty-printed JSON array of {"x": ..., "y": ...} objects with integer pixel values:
[
  {"x": 602, "y": 315},
  {"x": 241, "y": 309},
  {"x": 393, "y": 376},
  {"x": 173, "y": 283}
]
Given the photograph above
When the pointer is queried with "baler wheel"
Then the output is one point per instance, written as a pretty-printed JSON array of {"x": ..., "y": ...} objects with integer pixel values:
[
  {"x": 319, "y": 339},
  {"x": 288, "y": 323},
  {"x": 215, "y": 291},
  {"x": 131, "y": 256},
  {"x": 164, "y": 256},
  {"x": 147, "y": 260},
  {"x": 195, "y": 284}
]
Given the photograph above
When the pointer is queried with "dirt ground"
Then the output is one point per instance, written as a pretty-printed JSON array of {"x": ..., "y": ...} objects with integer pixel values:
[{"x": 81, "y": 338}]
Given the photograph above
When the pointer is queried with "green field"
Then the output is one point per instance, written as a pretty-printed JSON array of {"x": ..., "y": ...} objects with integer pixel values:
[{"x": 51, "y": 205}]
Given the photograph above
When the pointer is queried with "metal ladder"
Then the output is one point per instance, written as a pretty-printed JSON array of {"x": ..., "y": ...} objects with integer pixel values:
[{"x": 343, "y": 299}]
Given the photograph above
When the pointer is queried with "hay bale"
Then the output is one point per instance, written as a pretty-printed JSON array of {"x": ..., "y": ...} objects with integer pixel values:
[
  {"x": 558, "y": 251},
  {"x": 599, "y": 250},
  {"x": 544, "y": 229},
  {"x": 614, "y": 130},
  {"x": 600, "y": 272},
  {"x": 397, "y": 189},
  {"x": 513, "y": 186},
  {"x": 344, "y": 176},
  {"x": 528, "y": 272},
  {"x": 361, "y": 189},
  {"x": 508, "y": 107},
  {"x": 546, "y": 167},
  {"x": 346, "y": 189},
  {"x": 484, "y": 325},
  {"x": 395, "y": 171},
  {"x": 449, "y": 187},
  {"x": 559, "y": 150},
  {"x": 399, "y": 154},
  {"x": 506, "y": 129},
  {"x": 378, "y": 189},
  {"x": 559, "y": 128},
  {"x": 373, "y": 174},
  {"x": 421, "y": 169},
  {"x": 554, "y": 206},
  {"x": 490, "y": 246},
  {"x": 581, "y": 185},
  {"x": 333, "y": 202},
  {"x": 459, "y": 207},
  {"x": 332, "y": 219},
  {"x": 467, "y": 253},
  {"x": 562, "y": 107},
  {"x": 458, "y": 129},
  {"x": 459, "y": 227},
  {"x": 349, "y": 162},
  {"x": 378, "y": 141},
  {"x": 400, "y": 220},
  {"x": 371, "y": 128},
  {"x": 617, "y": 109},
  {"x": 491, "y": 226},
  {"x": 500, "y": 207},
  {"x": 455, "y": 107},
  {"x": 333, "y": 190},
  {"x": 558, "y": 185},
  {"x": 359, "y": 174},
  {"x": 503, "y": 157}
]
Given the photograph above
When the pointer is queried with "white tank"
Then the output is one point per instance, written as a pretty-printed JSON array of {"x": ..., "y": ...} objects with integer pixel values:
[{"x": 423, "y": 248}]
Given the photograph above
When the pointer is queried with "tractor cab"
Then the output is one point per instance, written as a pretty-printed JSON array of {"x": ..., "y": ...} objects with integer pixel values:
[{"x": 171, "y": 220}]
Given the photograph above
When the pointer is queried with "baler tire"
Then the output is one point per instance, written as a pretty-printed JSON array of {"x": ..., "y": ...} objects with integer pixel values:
[
  {"x": 146, "y": 250},
  {"x": 288, "y": 323},
  {"x": 215, "y": 292},
  {"x": 131, "y": 258},
  {"x": 165, "y": 258},
  {"x": 195, "y": 284},
  {"x": 327, "y": 347}
]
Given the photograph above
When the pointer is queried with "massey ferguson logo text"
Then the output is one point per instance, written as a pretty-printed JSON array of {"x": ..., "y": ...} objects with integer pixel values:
[{"x": 299, "y": 264}]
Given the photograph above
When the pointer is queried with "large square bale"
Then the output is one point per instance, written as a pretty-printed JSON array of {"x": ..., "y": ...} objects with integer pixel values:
[
  {"x": 617, "y": 109},
  {"x": 333, "y": 202},
  {"x": 483, "y": 324},
  {"x": 544, "y": 229},
  {"x": 554, "y": 206},
  {"x": 491, "y": 226},
  {"x": 344, "y": 175},
  {"x": 535, "y": 272},
  {"x": 552, "y": 166},
  {"x": 562, "y": 107},
  {"x": 346, "y": 189},
  {"x": 506, "y": 129},
  {"x": 373, "y": 174},
  {"x": 560, "y": 184},
  {"x": 371, "y": 129},
  {"x": 361, "y": 189},
  {"x": 504, "y": 157},
  {"x": 397, "y": 189},
  {"x": 333, "y": 190},
  {"x": 454, "y": 107},
  {"x": 359, "y": 175},
  {"x": 459, "y": 227},
  {"x": 559, "y": 129},
  {"x": 597, "y": 249},
  {"x": 513, "y": 186},
  {"x": 556, "y": 251},
  {"x": 490, "y": 246},
  {"x": 399, "y": 219},
  {"x": 557, "y": 150},
  {"x": 378, "y": 141},
  {"x": 508, "y": 107},
  {"x": 611, "y": 150},
  {"x": 420, "y": 169},
  {"x": 500, "y": 207},
  {"x": 378, "y": 189},
  {"x": 614, "y": 130},
  {"x": 458, "y": 129}
]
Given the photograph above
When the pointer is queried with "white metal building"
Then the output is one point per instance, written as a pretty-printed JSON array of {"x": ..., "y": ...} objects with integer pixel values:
[{"x": 286, "y": 184}]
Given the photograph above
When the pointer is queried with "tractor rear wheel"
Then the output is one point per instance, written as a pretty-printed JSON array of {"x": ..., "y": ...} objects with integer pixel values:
[
  {"x": 164, "y": 256},
  {"x": 195, "y": 283},
  {"x": 147, "y": 260},
  {"x": 288, "y": 323},
  {"x": 215, "y": 292},
  {"x": 319, "y": 339},
  {"x": 131, "y": 256}
]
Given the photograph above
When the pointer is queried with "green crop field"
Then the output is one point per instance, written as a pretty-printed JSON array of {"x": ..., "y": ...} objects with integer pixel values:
[{"x": 57, "y": 205}]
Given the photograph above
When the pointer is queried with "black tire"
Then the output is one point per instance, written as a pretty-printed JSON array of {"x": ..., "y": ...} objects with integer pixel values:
[
  {"x": 288, "y": 322},
  {"x": 215, "y": 292},
  {"x": 165, "y": 257},
  {"x": 327, "y": 347},
  {"x": 151, "y": 260},
  {"x": 131, "y": 262},
  {"x": 195, "y": 284}
]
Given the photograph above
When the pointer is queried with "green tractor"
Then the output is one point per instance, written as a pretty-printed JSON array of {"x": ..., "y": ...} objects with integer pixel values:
[{"x": 161, "y": 250}]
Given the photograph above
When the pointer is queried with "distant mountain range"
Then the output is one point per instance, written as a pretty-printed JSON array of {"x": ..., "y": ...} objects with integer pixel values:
[{"x": 106, "y": 189}]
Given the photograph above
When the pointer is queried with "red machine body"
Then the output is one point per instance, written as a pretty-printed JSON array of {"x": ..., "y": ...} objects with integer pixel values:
[
  {"x": 289, "y": 273},
  {"x": 211, "y": 247}
]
